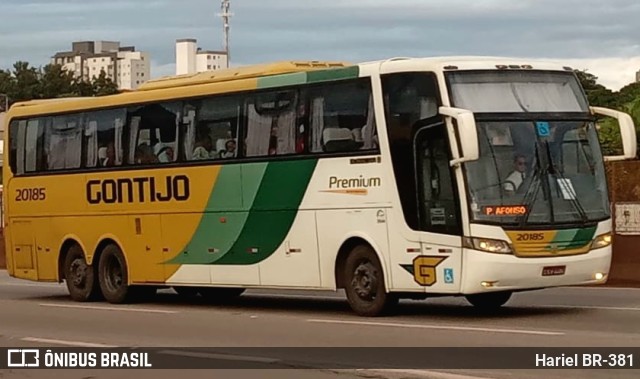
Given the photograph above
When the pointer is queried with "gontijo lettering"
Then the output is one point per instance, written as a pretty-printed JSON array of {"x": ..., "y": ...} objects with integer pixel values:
[{"x": 143, "y": 189}]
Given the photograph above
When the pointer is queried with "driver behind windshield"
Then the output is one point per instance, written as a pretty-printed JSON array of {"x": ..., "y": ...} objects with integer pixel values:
[{"x": 517, "y": 176}]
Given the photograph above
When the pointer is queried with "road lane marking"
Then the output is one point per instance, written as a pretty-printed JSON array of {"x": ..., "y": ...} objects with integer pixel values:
[
  {"x": 123, "y": 309},
  {"x": 294, "y": 296},
  {"x": 419, "y": 373},
  {"x": 224, "y": 357},
  {"x": 66, "y": 343},
  {"x": 588, "y": 307},
  {"x": 441, "y": 327},
  {"x": 44, "y": 285}
]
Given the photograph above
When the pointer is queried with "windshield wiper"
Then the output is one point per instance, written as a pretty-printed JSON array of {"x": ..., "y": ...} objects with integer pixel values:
[
  {"x": 572, "y": 196},
  {"x": 533, "y": 188}
]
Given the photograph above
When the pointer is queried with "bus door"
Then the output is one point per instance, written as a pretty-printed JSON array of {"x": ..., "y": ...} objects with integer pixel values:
[{"x": 438, "y": 268}]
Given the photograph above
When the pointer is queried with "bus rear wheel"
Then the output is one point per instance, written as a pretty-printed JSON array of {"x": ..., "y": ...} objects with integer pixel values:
[
  {"x": 489, "y": 301},
  {"x": 80, "y": 277},
  {"x": 114, "y": 279},
  {"x": 364, "y": 283}
]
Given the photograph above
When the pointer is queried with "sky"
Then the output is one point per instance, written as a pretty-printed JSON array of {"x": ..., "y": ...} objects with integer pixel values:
[{"x": 600, "y": 36}]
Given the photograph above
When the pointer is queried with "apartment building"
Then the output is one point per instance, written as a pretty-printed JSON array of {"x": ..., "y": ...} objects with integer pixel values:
[
  {"x": 124, "y": 65},
  {"x": 190, "y": 59}
]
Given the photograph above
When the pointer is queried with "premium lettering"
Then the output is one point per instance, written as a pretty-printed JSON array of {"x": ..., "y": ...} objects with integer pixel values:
[
  {"x": 359, "y": 182},
  {"x": 138, "y": 190}
]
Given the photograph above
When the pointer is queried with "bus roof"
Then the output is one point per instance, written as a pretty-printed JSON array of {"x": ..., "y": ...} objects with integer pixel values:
[
  {"x": 464, "y": 63},
  {"x": 249, "y": 77},
  {"x": 236, "y": 73}
]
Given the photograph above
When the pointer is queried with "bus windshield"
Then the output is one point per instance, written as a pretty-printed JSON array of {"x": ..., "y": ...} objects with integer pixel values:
[
  {"x": 538, "y": 172},
  {"x": 517, "y": 91}
]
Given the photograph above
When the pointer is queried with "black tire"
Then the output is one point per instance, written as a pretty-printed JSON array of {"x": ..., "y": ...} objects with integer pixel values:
[
  {"x": 113, "y": 276},
  {"x": 81, "y": 278},
  {"x": 186, "y": 292},
  {"x": 364, "y": 284},
  {"x": 489, "y": 301},
  {"x": 220, "y": 294}
]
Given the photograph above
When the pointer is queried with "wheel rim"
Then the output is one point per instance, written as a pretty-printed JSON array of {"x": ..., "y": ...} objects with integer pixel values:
[
  {"x": 113, "y": 274},
  {"x": 365, "y": 281},
  {"x": 78, "y": 273}
]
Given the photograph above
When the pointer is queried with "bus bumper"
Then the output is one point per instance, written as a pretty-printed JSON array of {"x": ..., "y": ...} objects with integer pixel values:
[{"x": 487, "y": 272}]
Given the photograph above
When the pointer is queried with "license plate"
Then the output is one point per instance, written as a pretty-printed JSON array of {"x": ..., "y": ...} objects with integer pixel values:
[{"x": 553, "y": 270}]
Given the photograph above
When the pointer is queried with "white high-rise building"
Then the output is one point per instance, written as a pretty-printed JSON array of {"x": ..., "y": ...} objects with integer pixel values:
[
  {"x": 124, "y": 65},
  {"x": 190, "y": 59}
]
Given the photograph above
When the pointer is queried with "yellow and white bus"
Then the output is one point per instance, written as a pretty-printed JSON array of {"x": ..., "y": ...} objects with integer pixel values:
[{"x": 402, "y": 178}]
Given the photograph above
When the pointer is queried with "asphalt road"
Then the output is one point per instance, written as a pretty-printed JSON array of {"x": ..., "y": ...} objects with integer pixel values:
[{"x": 39, "y": 314}]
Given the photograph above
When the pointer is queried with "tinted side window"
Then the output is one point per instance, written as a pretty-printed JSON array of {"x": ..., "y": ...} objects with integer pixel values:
[
  {"x": 211, "y": 128},
  {"x": 271, "y": 124},
  {"x": 411, "y": 101},
  {"x": 153, "y": 133},
  {"x": 103, "y": 138},
  {"x": 63, "y": 142},
  {"x": 16, "y": 152},
  {"x": 342, "y": 117}
]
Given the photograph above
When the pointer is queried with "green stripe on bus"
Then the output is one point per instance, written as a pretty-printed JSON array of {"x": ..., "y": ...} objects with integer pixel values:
[
  {"x": 217, "y": 231},
  {"x": 282, "y": 80},
  {"x": 333, "y": 74},
  {"x": 272, "y": 192},
  {"x": 273, "y": 212},
  {"x": 582, "y": 237}
]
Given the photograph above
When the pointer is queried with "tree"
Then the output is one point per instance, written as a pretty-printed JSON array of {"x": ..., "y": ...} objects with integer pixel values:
[
  {"x": 103, "y": 85},
  {"x": 597, "y": 94},
  {"x": 27, "y": 82},
  {"x": 56, "y": 82}
]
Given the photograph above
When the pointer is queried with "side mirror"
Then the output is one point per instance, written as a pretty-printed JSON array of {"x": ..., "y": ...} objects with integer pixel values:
[
  {"x": 627, "y": 133},
  {"x": 467, "y": 134}
]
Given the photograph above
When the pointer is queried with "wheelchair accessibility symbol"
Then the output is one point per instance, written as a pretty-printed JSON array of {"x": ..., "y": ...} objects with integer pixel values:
[{"x": 448, "y": 275}]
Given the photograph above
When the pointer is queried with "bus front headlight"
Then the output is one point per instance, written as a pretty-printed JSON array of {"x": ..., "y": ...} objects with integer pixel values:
[
  {"x": 488, "y": 245},
  {"x": 602, "y": 240}
]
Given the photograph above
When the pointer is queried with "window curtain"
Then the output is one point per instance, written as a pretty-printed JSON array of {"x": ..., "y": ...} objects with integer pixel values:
[
  {"x": 317, "y": 124},
  {"x": 369, "y": 129},
  {"x": 92, "y": 143},
  {"x": 258, "y": 133},
  {"x": 119, "y": 129},
  {"x": 22, "y": 130},
  {"x": 133, "y": 141},
  {"x": 287, "y": 133},
  {"x": 190, "y": 134}
]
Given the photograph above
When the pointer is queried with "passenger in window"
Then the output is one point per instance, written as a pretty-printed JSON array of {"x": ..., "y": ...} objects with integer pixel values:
[
  {"x": 110, "y": 159},
  {"x": 230, "y": 149},
  {"x": 273, "y": 141},
  {"x": 203, "y": 149},
  {"x": 164, "y": 153},
  {"x": 144, "y": 155}
]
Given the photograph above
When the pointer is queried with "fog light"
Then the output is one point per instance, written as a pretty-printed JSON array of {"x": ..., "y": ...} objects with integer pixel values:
[
  {"x": 599, "y": 276},
  {"x": 489, "y": 284}
]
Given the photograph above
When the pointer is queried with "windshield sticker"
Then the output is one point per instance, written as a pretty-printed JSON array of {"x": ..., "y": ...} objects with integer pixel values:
[
  {"x": 543, "y": 128},
  {"x": 504, "y": 210},
  {"x": 568, "y": 193}
]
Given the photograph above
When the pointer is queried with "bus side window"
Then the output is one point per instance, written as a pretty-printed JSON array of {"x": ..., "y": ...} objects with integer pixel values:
[
  {"x": 271, "y": 124},
  {"x": 103, "y": 138},
  {"x": 214, "y": 131},
  {"x": 342, "y": 117},
  {"x": 153, "y": 131}
]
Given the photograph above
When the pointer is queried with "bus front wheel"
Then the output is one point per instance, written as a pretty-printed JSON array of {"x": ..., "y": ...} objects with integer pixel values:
[
  {"x": 490, "y": 300},
  {"x": 80, "y": 277},
  {"x": 364, "y": 283},
  {"x": 113, "y": 276}
]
